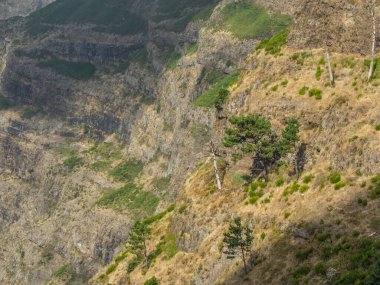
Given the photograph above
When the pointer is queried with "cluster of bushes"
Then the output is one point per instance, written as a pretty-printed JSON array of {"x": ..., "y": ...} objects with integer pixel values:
[
  {"x": 295, "y": 187},
  {"x": 300, "y": 57},
  {"x": 130, "y": 197},
  {"x": 358, "y": 260},
  {"x": 335, "y": 178},
  {"x": 255, "y": 191}
]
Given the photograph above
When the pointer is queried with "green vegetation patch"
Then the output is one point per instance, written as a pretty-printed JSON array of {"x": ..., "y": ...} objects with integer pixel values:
[
  {"x": 151, "y": 281},
  {"x": 107, "y": 17},
  {"x": 127, "y": 170},
  {"x": 159, "y": 216},
  {"x": 300, "y": 57},
  {"x": 167, "y": 248},
  {"x": 130, "y": 197},
  {"x": 72, "y": 162},
  {"x": 161, "y": 184},
  {"x": 316, "y": 93},
  {"x": 78, "y": 70},
  {"x": 376, "y": 70},
  {"x": 218, "y": 82},
  {"x": 67, "y": 275},
  {"x": 247, "y": 20},
  {"x": 274, "y": 44},
  {"x": 374, "y": 188}
]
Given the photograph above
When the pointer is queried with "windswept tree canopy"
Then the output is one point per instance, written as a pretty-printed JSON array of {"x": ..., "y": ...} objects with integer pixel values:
[{"x": 253, "y": 133}]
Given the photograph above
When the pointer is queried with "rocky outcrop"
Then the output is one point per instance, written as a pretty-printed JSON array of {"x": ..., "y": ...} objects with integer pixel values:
[{"x": 341, "y": 26}]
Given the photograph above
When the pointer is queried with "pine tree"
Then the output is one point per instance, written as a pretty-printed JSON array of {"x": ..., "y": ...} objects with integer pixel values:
[
  {"x": 255, "y": 135},
  {"x": 238, "y": 240},
  {"x": 137, "y": 240}
]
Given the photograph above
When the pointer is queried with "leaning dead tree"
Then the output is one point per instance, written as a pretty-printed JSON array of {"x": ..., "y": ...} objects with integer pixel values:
[
  {"x": 372, "y": 65},
  {"x": 328, "y": 63},
  {"x": 216, "y": 170}
]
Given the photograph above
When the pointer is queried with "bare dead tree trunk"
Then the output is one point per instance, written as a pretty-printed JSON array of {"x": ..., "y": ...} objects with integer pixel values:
[
  {"x": 217, "y": 176},
  {"x": 331, "y": 74},
  {"x": 371, "y": 68}
]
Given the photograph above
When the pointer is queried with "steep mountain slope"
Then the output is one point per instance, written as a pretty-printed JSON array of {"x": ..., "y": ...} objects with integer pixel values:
[
  {"x": 107, "y": 113},
  {"x": 12, "y": 8}
]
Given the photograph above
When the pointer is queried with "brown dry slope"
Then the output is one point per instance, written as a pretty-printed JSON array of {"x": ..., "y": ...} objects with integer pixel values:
[{"x": 308, "y": 230}]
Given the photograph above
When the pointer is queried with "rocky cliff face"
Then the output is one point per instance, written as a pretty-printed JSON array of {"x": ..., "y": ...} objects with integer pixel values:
[
  {"x": 12, "y": 8},
  {"x": 105, "y": 119}
]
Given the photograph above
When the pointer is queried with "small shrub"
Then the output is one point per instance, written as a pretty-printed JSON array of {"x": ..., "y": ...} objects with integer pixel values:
[
  {"x": 300, "y": 57},
  {"x": 362, "y": 202},
  {"x": 374, "y": 187},
  {"x": 316, "y": 93},
  {"x": 134, "y": 263},
  {"x": 287, "y": 215},
  {"x": 127, "y": 171},
  {"x": 221, "y": 99},
  {"x": 318, "y": 73},
  {"x": 72, "y": 162},
  {"x": 273, "y": 45},
  {"x": 111, "y": 268},
  {"x": 262, "y": 236},
  {"x": 334, "y": 177},
  {"x": 303, "y": 188},
  {"x": 322, "y": 237},
  {"x": 291, "y": 189},
  {"x": 280, "y": 181},
  {"x": 320, "y": 268},
  {"x": 274, "y": 88},
  {"x": 303, "y": 90},
  {"x": 151, "y": 281},
  {"x": 326, "y": 253},
  {"x": 377, "y": 127},
  {"x": 302, "y": 255},
  {"x": 284, "y": 83},
  {"x": 307, "y": 179},
  {"x": 301, "y": 271},
  {"x": 340, "y": 185}
]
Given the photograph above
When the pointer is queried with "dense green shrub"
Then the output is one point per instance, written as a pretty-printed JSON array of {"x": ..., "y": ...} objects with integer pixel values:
[
  {"x": 304, "y": 254},
  {"x": 374, "y": 188},
  {"x": 300, "y": 57},
  {"x": 320, "y": 268},
  {"x": 340, "y": 185},
  {"x": 111, "y": 268},
  {"x": 221, "y": 99},
  {"x": 316, "y": 93},
  {"x": 132, "y": 198},
  {"x": 274, "y": 44},
  {"x": 301, "y": 271},
  {"x": 334, "y": 177},
  {"x": 303, "y": 90},
  {"x": 151, "y": 281},
  {"x": 307, "y": 179},
  {"x": 134, "y": 263},
  {"x": 280, "y": 181},
  {"x": 318, "y": 73}
]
